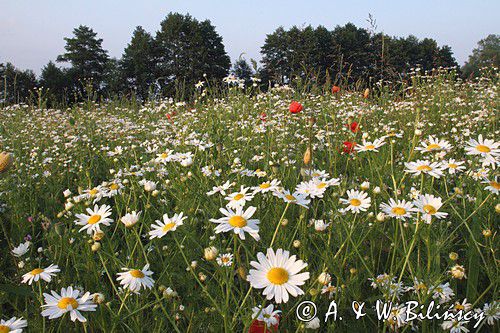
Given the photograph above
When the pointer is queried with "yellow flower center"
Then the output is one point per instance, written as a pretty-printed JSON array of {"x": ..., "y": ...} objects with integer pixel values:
[
  {"x": 4, "y": 329},
  {"x": 94, "y": 219},
  {"x": 459, "y": 307},
  {"x": 238, "y": 196},
  {"x": 137, "y": 273},
  {"x": 370, "y": 147},
  {"x": 237, "y": 221},
  {"x": 164, "y": 155},
  {"x": 424, "y": 168},
  {"x": 290, "y": 197},
  {"x": 265, "y": 185},
  {"x": 452, "y": 166},
  {"x": 168, "y": 227},
  {"x": 398, "y": 211},
  {"x": 114, "y": 186},
  {"x": 429, "y": 209},
  {"x": 36, "y": 271},
  {"x": 495, "y": 185},
  {"x": 93, "y": 191},
  {"x": 483, "y": 148},
  {"x": 277, "y": 275},
  {"x": 433, "y": 146},
  {"x": 355, "y": 202},
  {"x": 321, "y": 185},
  {"x": 65, "y": 301}
]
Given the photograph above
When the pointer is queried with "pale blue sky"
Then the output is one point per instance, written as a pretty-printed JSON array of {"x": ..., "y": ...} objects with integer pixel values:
[{"x": 32, "y": 32}]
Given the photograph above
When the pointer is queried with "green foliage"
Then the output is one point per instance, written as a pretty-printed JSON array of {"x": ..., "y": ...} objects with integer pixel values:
[
  {"x": 487, "y": 54},
  {"x": 187, "y": 51},
  {"x": 87, "y": 58},
  {"x": 15, "y": 85},
  {"x": 138, "y": 63}
]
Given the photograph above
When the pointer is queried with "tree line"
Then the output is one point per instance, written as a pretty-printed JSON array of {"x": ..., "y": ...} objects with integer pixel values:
[{"x": 184, "y": 51}]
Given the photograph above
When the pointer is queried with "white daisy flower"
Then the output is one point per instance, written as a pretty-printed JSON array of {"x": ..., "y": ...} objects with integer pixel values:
[
  {"x": 136, "y": 279},
  {"x": 268, "y": 315},
  {"x": 400, "y": 210},
  {"x": 455, "y": 326},
  {"x": 434, "y": 144},
  {"x": 316, "y": 173},
  {"x": 225, "y": 259},
  {"x": 483, "y": 147},
  {"x": 295, "y": 198},
  {"x": 220, "y": 189},
  {"x": 238, "y": 221},
  {"x": 45, "y": 274},
  {"x": 130, "y": 219},
  {"x": 69, "y": 301},
  {"x": 239, "y": 199},
  {"x": 265, "y": 187},
  {"x": 357, "y": 201},
  {"x": 21, "y": 249},
  {"x": 369, "y": 146},
  {"x": 493, "y": 185},
  {"x": 169, "y": 224},
  {"x": 13, "y": 325},
  {"x": 433, "y": 169},
  {"x": 94, "y": 219},
  {"x": 453, "y": 166},
  {"x": 492, "y": 312},
  {"x": 278, "y": 274},
  {"x": 428, "y": 205}
]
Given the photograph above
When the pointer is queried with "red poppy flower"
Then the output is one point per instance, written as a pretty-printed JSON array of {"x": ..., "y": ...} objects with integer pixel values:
[
  {"x": 295, "y": 107},
  {"x": 349, "y": 146},
  {"x": 263, "y": 116},
  {"x": 354, "y": 127},
  {"x": 258, "y": 326},
  {"x": 335, "y": 89}
]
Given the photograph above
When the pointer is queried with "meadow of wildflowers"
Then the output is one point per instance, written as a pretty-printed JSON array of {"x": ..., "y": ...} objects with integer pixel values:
[{"x": 225, "y": 213}]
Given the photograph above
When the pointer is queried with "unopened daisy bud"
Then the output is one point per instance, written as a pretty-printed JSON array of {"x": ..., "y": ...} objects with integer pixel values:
[
  {"x": 497, "y": 208},
  {"x": 60, "y": 214},
  {"x": 453, "y": 256},
  {"x": 202, "y": 277},
  {"x": 5, "y": 161},
  {"x": 458, "y": 190},
  {"x": 324, "y": 278},
  {"x": 68, "y": 205},
  {"x": 353, "y": 270},
  {"x": 194, "y": 264},
  {"x": 418, "y": 132},
  {"x": 242, "y": 273},
  {"x": 458, "y": 272},
  {"x": 366, "y": 93},
  {"x": 20, "y": 264},
  {"x": 296, "y": 243},
  {"x": 376, "y": 190},
  {"x": 284, "y": 222},
  {"x": 67, "y": 193},
  {"x": 155, "y": 193},
  {"x": 210, "y": 253},
  {"x": 313, "y": 292},
  {"x": 96, "y": 247},
  {"x": 381, "y": 217},
  {"x": 487, "y": 233},
  {"x": 307, "y": 156},
  {"x": 98, "y": 298},
  {"x": 365, "y": 186},
  {"x": 98, "y": 236}
]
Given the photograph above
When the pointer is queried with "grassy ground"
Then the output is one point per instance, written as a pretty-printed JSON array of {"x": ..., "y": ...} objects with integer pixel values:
[{"x": 109, "y": 154}]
